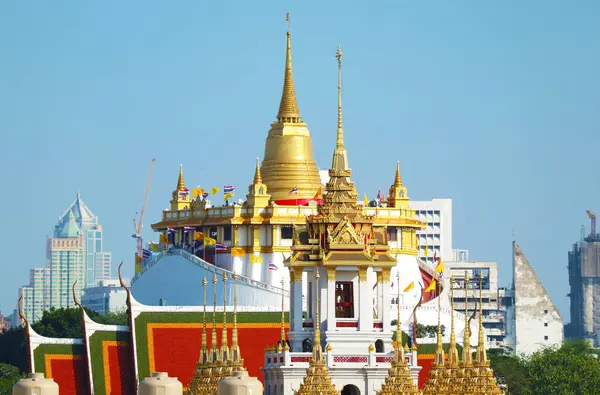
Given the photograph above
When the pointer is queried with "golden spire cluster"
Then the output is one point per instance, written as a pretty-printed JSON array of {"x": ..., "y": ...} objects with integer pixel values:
[
  {"x": 317, "y": 380},
  {"x": 283, "y": 344},
  {"x": 200, "y": 383},
  {"x": 466, "y": 377},
  {"x": 399, "y": 380},
  {"x": 236, "y": 360}
]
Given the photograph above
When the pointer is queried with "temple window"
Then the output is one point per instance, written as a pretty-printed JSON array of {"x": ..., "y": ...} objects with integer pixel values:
[
  {"x": 227, "y": 233},
  {"x": 287, "y": 232},
  {"x": 392, "y": 233},
  {"x": 212, "y": 232},
  {"x": 344, "y": 299}
]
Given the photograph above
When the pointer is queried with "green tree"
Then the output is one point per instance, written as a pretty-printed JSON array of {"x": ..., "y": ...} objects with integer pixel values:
[
  {"x": 572, "y": 369},
  {"x": 9, "y": 376},
  {"x": 511, "y": 370}
]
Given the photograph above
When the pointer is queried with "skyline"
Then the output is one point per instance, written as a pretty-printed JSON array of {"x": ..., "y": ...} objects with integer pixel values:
[{"x": 69, "y": 84}]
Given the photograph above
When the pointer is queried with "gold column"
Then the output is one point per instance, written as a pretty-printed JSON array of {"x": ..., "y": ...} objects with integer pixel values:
[{"x": 331, "y": 273}]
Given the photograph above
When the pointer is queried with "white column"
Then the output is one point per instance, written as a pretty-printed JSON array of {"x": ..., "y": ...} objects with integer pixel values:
[
  {"x": 379, "y": 295},
  {"x": 331, "y": 300},
  {"x": 296, "y": 304},
  {"x": 386, "y": 301},
  {"x": 323, "y": 300},
  {"x": 365, "y": 292}
]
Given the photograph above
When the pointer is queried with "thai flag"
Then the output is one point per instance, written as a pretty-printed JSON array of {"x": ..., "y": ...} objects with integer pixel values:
[
  {"x": 221, "y": 247},
  {"x": 228, "y": 189},
  {"x": 204, "y": 195},
  {"x": 146, "y": 254},
  {"x": 171, "y": 229},
  {"x": 294, "y": 191},
  {"x": 188, "y": 228},
  {"x": 379, "y": 197},
  {"x": 184, "y": 192},
  {"x": 272, "y": 266},
  {"x": 434, "y": 256}
]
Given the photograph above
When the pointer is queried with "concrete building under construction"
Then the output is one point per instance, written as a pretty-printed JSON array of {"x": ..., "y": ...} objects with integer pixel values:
[{"x": 584, "y": 279}]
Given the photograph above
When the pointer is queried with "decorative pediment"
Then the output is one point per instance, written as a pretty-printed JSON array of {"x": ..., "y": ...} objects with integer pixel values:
[{"x": 344, "y": 233}]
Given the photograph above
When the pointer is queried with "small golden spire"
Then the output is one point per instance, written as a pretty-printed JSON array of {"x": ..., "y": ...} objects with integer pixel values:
[
  {"x": 214, "y": 349},
  {"x": 204, "y": 354},
  {"x": 224, "y": 344},
  {"x": 288, "y": 107},
  {"x": 282, "y": 341},
  {"x": 180, "y": 182},
  {"x": 481, "y": 356},
  {"x": 398, "y": 179},
  {"x": 237, "y": 362},
  {"x": 399, "y": 351},
  {"x": 439, "y": 353},
  {"x": 467, "y": 358},
  {"x": 317, "y": 352},
  {"x": 452, "y": 351},
  {"x": 340, "y": 156},
  {"x": 257, "y": 175}
]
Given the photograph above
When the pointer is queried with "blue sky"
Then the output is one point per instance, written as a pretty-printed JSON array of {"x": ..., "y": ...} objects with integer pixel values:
[{"x": 493, "y": 104}]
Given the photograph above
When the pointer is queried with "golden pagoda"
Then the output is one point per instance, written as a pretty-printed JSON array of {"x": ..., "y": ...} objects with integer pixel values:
[
  {"x": 181, "y": 195},
  {"x": 215, "y": 356},
  {"x": 283, "y": 344},
  {"x": 236, "y": 362},
  {"x": 200, "y": 383},
  {"x": 317, "y": 380},
  {"x": 222, "y": 368},
  {"x": 288, "y": 156},
  {"x": 399, "y": 380},
  {"x": 435, "y": 384}
]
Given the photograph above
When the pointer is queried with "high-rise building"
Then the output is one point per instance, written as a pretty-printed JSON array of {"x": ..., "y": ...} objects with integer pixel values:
[
  {"x": 437, "y": 235},
  {"x": 34, "y": 297},
  {"x": 107, "y": 296},
  {"x": 98, "y": 263}
]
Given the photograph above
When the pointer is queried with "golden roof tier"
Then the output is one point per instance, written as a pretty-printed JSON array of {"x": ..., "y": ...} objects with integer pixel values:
[
  {"x": 317, "y": 380},
  {"x": 288, "y": 167}
]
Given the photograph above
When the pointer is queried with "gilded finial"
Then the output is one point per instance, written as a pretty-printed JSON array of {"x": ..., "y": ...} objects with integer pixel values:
[
  {"x": 439, "y": 353},
  {"x": 237, "y": 362},
  {"x": 180, "y": 182},
  {"x": 328, "y": 348},
  {"x": 371, "y": 348},
  {"x": 398, "y": 178},
  {"x": 317, "y": 350},
  {"x": 214, "y": 349},
  {"x": 288, "y": 107},
  {"x": 340, "y": 156},
  {"x": 257, "y": 175},
  {"x": 224, "y": 344},
  {"x": 204, "y": 355},
  {"x": 481, "y": 355},
  {"x": 452, "y": 351},
  {"x": 466, "y": 357},
  {"x": 282, "y": 341}
]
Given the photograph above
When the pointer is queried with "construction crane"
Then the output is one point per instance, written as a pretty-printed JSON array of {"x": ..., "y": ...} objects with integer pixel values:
[
  {"x": 592, "y": 216},
  {"x": 138, "y": 224}
]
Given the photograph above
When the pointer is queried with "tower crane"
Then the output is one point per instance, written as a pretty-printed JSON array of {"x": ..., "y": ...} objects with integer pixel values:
[
  {"x": 592, "y": 216},
  {"x": 138, "y": 224}
]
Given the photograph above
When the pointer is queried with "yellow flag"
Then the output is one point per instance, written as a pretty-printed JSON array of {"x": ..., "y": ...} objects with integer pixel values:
[
  {"x": 198, "y": 236},
  {"x": 163, "y": 239},
  {"x": 426, "y": 251},
  {"x": 197, "y": 192},
  {"x": 256, "y": 259},
  {"x": 138, "y": 260},
  {"x": 431, "y": 286},
  {"x": 209, "y": 241},
  {"x": 214, "y": 190},
  {"x": 138, "y": 267},
  {"x": 318, "y": 194},
  {"x": 228, "y": 196},
  {"x": 237, "y": 252},
  {"x": 410, "y": 286},
  {"x": 154, "y": 247},
  {"x": 366, "y": 199},
  {"x": 440, "y": 266}
]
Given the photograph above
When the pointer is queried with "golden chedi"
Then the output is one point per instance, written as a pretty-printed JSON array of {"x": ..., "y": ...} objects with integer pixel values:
[
  {"x": 288, "y": 156},
  {"x": 399, "y": 380},
  {"x": 317, "y": 380},
  {"x": 436, "y": 383}
]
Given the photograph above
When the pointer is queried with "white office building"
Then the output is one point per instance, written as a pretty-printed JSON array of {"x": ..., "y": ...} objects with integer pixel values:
[
  {"x": 107, "y": 296},
  {"x": 437, "y": 235}
]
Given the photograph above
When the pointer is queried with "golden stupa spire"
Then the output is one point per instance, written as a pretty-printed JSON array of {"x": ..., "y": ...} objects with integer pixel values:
[
  {"x": 237, "y": 362},
  {"x": 436, "y": 384},
  {"x": 399, "y": 380},
  {"x": 214, "y": 349},
  {"x": 288, "y": 107},
  {"x": 180, "y": 181},
  {"x": 452, "y": 351},
  {"x": 257, "y": 175},
  {"x": 340, "y": 156},
  {"x": 481, "y": 355},
  {"x": 224, "y": 343},
  {"x": 398, "y": 178},
  {"x": 205, "y": 355},
  {"x": 200, "y": 382},
  {"x": 467, "y": 358},
  {"x": 439, "y": 352},
  {"x": 282, "y": 342},
  {"x": 317, "y": 379}
]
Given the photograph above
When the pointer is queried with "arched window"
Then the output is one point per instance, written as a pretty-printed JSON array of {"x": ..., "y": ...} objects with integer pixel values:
[
  {"x": 307, "y": 345},
  {"x": 379, "y": 345}
]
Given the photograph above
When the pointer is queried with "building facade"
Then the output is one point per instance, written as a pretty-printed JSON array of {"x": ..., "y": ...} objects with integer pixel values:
[
  {"x": 35, "y": 300},
  {"x": 437, "y": 235},
  {"x": 494, "y": 313},
  {"x": 106, "y": 297}
]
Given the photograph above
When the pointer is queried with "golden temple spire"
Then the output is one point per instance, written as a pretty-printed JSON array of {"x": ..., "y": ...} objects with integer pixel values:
[
  {"x": 283, "y": 343},
  {"x": 399, "y": 351},
  {"x": 398, "y": 178},
  {"x": 452, "y": 351},
  {"x": 180, "y": 181},
  {"x": 340, "y": 156},
  {"x": 237, "y": 362},
  {"x": 224, "y": 344},
  {"x": 439, "y": 352},
  {"x": 257, "y": 175},
  {"x": 204, "y": 354},
  {"x": 288, "y": 107},
  {"x": 481, "y": 355},
  {"x": 317, "y": 379},
  {"x": 214, "y": 349},
  {"x": 467, "y": 358}
]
